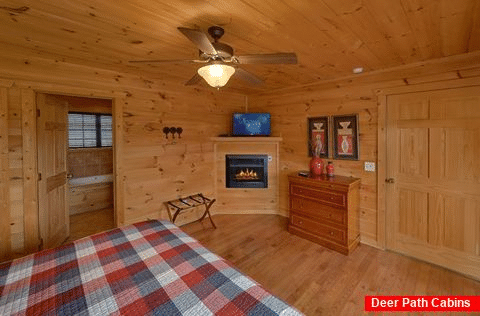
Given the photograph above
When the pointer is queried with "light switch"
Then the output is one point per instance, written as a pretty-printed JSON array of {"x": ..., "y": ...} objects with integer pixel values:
[{"x": 369, "y": 166}]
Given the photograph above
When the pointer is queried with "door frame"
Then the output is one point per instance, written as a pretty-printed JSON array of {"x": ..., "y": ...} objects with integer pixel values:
[
  {"x": 32, "y": 240},
  {"x": 383, "y": 213}
]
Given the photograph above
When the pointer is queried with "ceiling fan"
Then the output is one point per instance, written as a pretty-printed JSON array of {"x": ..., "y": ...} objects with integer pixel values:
[{"x": 220, "y": 61}]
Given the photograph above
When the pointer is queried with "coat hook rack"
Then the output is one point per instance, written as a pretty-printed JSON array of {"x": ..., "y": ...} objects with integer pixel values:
[{"x": 173, "y": 131}]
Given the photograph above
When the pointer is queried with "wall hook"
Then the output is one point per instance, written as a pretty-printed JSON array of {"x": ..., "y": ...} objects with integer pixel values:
[
  {"x": 179, "y": 132},
  {"x": 166, "y": 130},
  {"x": 173, "y": 130}
]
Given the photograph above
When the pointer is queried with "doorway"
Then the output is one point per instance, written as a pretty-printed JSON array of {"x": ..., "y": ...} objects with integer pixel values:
[
  {"x": 75, "y": 153},
  {"x": 433, "y": 177}
]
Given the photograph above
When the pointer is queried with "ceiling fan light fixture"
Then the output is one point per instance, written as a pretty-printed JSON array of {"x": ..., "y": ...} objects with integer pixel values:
[{"x": 216, "y": 74}]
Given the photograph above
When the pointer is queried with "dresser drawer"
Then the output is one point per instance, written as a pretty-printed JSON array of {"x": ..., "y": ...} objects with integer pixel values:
[
  {"x": 333, "y": 234},
  {"x": 330, "y": 197},
  {"x": 318, "y": 210}
]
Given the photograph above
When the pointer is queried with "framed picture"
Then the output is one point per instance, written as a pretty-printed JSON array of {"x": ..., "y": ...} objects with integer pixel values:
[
  {"x": 345, "y": 137},
  {"x": 318, "y": 128}
]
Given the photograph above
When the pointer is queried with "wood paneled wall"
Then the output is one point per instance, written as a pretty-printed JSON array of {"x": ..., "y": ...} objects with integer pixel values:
[
  {"x": 14, "y": 204},
  {"x": 87, "y": 162},
  {"x": 5, "y": 234},
  {"x": 150, "y": 169},
  {"x": 159, "y": 169},
  {"x": 90, "y": 197},
  {"x": 360, "y": 94},
  {"x": 289, "y": 120},
  {"x": 89, "y": 105}
]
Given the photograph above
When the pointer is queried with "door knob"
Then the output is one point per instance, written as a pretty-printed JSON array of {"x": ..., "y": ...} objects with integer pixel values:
[
  {"x": 390, "y": 180},
  {"x": 69, "y": 176}
]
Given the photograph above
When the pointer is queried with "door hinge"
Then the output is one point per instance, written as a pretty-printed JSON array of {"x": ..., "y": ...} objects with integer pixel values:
[
  {"x": 39, "y": 176},
  {"x": 38, "y": 112}
]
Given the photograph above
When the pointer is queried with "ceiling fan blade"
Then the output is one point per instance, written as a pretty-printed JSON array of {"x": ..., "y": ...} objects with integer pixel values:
[
  {"x": 277, "y": 58},
  {"x": 194, "y": 80},
  {"x": 169, "y": 61},
  {"x": 248, "y": 77},
  {"x": 200, "y": 39}
]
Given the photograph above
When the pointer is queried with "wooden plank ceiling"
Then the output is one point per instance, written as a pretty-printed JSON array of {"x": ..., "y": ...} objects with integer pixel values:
[{"x": 330, "y": 37}]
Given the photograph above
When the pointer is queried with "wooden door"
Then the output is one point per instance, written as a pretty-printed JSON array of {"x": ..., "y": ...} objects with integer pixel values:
[
  {"x": 52, "y": 186},
  {"x": 433, "y": 163}
]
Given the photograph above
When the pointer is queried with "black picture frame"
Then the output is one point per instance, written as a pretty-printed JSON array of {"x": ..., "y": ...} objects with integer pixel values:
[
  {"x": 319, "y": 132},
  {"x": 345, "y": 137}
]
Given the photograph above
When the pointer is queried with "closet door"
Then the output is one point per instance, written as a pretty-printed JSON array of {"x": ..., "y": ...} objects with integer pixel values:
[{"x": 433, "y": 177}]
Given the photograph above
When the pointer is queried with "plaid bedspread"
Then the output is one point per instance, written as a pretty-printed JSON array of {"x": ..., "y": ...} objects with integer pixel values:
[{"x": 148, "y": 268}]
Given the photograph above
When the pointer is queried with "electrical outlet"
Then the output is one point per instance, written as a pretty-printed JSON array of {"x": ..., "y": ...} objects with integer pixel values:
[{"x": 369, "y": 166}]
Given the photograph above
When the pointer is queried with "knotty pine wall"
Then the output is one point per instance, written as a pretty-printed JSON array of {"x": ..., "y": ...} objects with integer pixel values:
[
  {"x": 290, "y": 111},
  {"x": 87, "y": 162},
  {"x": 150, "y": 169},
  {"x": 361, "y": 94},
  {"x": 12, "y": 181},
  {"x": 90, "y": 187}
]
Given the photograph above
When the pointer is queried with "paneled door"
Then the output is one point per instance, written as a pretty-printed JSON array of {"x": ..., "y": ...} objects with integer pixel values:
[
  {"x": 52, "y": 185},
  {"x": 433, "y": 177}
]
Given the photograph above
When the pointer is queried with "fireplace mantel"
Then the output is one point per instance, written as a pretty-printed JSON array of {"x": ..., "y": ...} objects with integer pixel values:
[
  {"x": 251, "y": 139},
  {"x": 246, "y": 200}
]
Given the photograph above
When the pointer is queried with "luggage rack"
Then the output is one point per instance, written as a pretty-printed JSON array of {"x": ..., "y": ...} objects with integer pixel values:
[{"x": 191, "y": 201}]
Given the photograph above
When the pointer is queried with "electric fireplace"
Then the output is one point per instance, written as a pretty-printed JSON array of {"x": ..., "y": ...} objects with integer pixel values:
[{"x": 246, "y": 171}]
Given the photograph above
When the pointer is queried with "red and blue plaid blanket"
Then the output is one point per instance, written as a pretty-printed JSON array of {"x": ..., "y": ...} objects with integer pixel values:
[{"x": 148, "y": 268}]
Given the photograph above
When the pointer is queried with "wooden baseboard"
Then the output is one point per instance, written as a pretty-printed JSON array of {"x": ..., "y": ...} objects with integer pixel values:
[
  {"x": 371, "y": 243},
  {"x": 240, "y": 212}
]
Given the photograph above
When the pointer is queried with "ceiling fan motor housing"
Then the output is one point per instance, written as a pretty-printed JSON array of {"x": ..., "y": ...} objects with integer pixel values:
[{"x": 216, "y": 32}]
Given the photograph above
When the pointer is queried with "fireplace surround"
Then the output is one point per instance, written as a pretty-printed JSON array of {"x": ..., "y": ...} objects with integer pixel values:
[
  {"x": 246, "y": 171},
  {"x": 247, "y": 200}
]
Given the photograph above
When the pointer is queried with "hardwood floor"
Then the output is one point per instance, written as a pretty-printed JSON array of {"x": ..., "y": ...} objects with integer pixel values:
[
  {"x": 89, "y": 223},
  {"x": 314, "y": 279}
]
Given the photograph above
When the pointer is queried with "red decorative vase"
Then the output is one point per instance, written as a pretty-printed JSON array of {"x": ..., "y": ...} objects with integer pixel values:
[
  {"x": 316, "y": 166},
  {"x": 330, "y": 169}
]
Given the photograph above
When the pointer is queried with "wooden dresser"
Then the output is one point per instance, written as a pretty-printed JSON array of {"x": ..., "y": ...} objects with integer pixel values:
[{"x": 325, "y": 210}]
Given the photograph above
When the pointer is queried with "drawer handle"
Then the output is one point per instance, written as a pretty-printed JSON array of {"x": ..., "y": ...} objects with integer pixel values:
[
  {"x": 331, "y": 198},
  {"x": 300, "y": 222},
  {"x": 331, "y": 233}
]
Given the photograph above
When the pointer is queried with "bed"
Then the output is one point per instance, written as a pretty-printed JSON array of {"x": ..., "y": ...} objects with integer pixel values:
[{"x": 148, "y": 268}]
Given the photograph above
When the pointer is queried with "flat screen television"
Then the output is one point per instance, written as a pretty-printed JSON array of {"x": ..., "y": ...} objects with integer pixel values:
[{"x": 251, "y": 124}]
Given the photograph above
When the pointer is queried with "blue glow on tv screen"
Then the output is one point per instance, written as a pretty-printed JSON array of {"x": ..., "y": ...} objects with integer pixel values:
[{"x": 251, "y": 124}]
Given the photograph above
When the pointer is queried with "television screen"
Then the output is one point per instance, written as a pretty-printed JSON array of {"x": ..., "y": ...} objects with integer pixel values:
[{"x": 251, "y": 124}]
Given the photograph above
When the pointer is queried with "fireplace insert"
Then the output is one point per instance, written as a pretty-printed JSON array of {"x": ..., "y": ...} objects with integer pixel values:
[{"x": 246, "y": 171}]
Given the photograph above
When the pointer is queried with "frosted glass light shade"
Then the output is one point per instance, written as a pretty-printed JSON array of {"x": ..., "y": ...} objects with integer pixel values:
[{"x": 216, "y": 75}]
